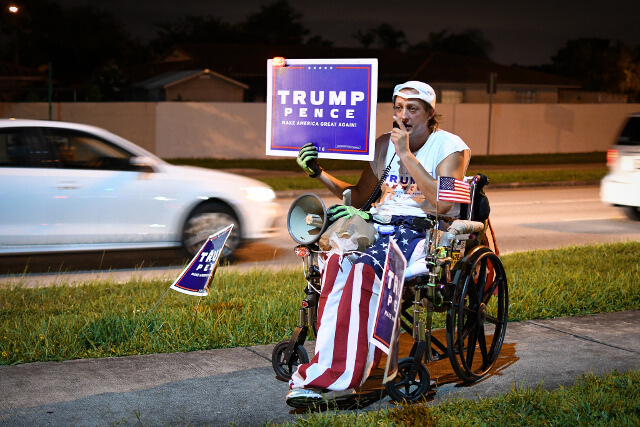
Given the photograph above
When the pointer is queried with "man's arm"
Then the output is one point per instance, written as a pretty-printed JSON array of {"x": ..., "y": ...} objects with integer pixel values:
[
  {"x": 453, "y": 165},
  {"x": 359, "y": 192},
  {"x": 307, "y": 159}
]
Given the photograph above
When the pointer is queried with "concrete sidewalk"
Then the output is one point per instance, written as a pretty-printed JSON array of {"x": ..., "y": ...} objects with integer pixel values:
[{"x": 227, "y": 386}]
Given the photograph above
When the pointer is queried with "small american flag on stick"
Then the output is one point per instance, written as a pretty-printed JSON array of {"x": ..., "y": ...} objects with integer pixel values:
[{"x": 452, "y": 190}]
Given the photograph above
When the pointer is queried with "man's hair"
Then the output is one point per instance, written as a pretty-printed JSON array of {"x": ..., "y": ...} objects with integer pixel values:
[{"x": 434, "y": 122}]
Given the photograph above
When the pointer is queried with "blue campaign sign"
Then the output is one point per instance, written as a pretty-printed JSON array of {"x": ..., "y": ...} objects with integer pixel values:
[
  {"x": 197, "y": 277},
  {"x": 385, "y": 327},
  {"x": 330, "y": 102}
]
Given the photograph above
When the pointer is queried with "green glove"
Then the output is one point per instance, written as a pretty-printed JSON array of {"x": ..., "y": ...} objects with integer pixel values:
[
  {"x": 339, "y": 211},
  {"x": 308, "y": 160}
]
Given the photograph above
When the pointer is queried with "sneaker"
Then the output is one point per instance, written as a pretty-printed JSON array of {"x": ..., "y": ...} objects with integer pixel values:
[{"x": 303, "y": 397}]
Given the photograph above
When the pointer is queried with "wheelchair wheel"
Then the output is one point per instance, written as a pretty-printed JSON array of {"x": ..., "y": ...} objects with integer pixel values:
[
  {"x": 477, "y": 317},
  {"x": 285, "y": 368},
  {"x": 405, "y": 388}
]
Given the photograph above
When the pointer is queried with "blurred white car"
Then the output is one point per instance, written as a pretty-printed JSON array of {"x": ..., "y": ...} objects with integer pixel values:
[
  {"x": 621, "y": 186},
  {"x": 73, "y": 187}
]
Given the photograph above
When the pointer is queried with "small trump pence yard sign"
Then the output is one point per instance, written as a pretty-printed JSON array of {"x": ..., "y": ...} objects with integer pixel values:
[{"x": 330, "y": 102}]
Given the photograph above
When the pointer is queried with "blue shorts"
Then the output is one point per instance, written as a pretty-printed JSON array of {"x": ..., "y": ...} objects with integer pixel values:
[{"x": 406, "y": 236}]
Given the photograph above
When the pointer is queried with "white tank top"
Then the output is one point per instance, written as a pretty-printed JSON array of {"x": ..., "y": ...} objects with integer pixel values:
[{"x": 400, "y": 193}]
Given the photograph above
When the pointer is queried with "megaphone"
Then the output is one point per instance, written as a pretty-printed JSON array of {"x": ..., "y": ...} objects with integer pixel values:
[{"x": 307, "y": 219}]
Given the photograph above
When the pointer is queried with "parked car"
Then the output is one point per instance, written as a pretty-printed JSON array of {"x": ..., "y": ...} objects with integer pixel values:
[
  {"x": 621, "y": 186},
  {"x": 74, "y": 187}
]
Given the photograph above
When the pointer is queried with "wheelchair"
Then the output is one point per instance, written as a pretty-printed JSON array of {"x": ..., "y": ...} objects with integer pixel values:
[{"x": 464, "y": 280}]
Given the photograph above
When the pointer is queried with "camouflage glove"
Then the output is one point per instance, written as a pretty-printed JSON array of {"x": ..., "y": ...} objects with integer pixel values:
[
  {"x": 339, "y": 211},
  {"x": 308, "y": 160}
]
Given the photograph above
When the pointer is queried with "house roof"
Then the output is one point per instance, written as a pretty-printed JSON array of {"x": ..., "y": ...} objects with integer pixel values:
[
  {"x": 446, "y": 68},
  {"x": 172, "y": 78},
  {"x": 247, "y": 63},
  {"x": 18, "y": 73},
  {"x": 241, "y": 61}
]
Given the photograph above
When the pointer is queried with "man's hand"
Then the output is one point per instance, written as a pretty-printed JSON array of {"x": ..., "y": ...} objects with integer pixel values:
[
  {"x": 339, "y": 211},
  {"x": 308, "y": 160},
  {"x": 400, "y": 137}
]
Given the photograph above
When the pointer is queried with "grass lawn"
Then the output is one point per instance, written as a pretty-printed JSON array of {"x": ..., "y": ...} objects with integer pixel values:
[
  {"x": 281, "y": 183},
  {"x": 105, "y": 319}
]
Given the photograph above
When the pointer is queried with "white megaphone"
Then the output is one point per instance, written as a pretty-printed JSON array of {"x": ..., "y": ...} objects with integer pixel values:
[{"x": 307, "y": 219}]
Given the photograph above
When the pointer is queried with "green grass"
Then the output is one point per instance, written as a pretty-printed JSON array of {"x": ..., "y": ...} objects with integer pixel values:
[
  {"x": 281, "y": 183},
  {"x": 289, "y": 164},
  {"x": 299, "y": 182},
  {"x": 102, "y": 319},
  {"x": 540, "y": 159},
  {"x": 608, "y": 400}
]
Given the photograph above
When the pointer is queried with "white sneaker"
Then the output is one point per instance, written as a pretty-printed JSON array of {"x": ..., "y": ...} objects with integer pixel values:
[{"x": 303, "y": 397}]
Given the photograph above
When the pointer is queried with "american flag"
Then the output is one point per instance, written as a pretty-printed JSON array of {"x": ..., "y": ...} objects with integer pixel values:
[{"x": 452, "y": 190}]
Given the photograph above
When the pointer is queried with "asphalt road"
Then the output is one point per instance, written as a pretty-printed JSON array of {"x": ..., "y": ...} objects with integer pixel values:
[{"x": 523, "y": 219}]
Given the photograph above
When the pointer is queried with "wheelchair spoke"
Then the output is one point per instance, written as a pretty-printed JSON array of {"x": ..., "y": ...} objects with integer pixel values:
[
  {"x": 482, "y": 343},
  {"x": 494, "y": 285},
  {"x": 471, "y": 346},
  {"x": 494, "y": 320},
  {"x": 466, "y": 328},
  {"x": 481, "y": 279}
]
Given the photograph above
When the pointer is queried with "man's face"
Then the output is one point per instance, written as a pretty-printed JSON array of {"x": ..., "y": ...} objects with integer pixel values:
[{"x": 413, "y": 114}]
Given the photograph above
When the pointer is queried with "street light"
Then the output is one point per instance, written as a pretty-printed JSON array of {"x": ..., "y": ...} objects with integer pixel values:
[{"x": 14, "y": 10}]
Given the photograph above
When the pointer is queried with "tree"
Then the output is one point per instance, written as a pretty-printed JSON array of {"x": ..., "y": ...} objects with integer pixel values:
[
  {"x": 76, "y": 40},
  {"x": 194, "y": 29},
  {"x": 383, "y": 36},
  {"x": 277, "y": 23},
  {"x": 366, "y": 38},
  {"x": 601, "y": 65},
  {"x": 468, "y": 43}
]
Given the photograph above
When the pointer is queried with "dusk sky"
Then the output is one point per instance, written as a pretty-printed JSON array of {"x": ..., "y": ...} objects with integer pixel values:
[{"x": 525, "y": 33}]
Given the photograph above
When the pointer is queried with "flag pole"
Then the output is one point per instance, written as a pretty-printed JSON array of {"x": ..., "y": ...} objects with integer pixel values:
[{"x": 437, "y": 224}]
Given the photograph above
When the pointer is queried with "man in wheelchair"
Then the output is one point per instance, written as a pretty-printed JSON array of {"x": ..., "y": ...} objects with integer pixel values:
[{"x": 397, "y": 189}]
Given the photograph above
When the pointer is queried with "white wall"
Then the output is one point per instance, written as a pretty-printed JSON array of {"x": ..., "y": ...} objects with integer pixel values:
[{"x": 238, "y": 130}]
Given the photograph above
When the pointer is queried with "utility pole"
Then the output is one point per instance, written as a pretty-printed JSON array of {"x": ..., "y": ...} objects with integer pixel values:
[
  {"x": 492, "y": 87},
  {"x": 50, "y": 86}
]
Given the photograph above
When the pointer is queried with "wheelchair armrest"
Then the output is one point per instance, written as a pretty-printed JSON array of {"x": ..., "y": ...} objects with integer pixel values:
[{"x": 459, "y": 227}]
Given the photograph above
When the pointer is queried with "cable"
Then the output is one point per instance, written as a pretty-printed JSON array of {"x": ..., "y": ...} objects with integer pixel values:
[{"x": 376, "y": 192}]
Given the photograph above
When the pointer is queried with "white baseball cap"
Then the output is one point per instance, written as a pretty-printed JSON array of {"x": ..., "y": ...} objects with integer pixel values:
[{"x": 425, "y": 92}]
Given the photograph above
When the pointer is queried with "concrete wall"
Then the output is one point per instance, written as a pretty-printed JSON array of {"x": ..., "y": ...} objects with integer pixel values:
[
  {"x": 237, "y": 130},
  {"x": 135, "y": 121}
]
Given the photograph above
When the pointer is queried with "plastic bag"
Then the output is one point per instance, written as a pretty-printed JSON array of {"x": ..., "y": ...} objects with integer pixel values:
[{"x": 348, "y": 234}]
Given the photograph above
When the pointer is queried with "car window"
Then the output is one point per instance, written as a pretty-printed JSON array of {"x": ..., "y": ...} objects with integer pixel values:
[
  {"x": 630, "y": 134},
  {"x": 22, "y": 148},
  {"x": 60, "y": 148}
]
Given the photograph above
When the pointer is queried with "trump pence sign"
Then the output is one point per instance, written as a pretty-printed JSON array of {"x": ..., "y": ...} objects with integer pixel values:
[{"x": 330, "y": 102}]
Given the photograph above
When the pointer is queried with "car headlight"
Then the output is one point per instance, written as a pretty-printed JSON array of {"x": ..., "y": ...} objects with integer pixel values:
[{"x": 259, "y": 194}]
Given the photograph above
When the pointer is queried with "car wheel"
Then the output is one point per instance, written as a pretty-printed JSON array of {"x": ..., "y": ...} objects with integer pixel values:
[
  {"x": 207, "y": 220},
  {"x": 632, "y": 212}
]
